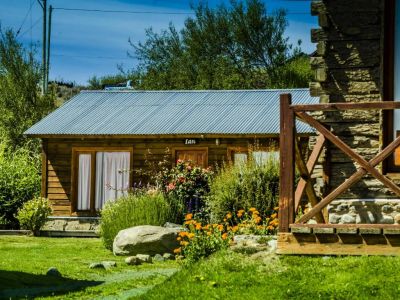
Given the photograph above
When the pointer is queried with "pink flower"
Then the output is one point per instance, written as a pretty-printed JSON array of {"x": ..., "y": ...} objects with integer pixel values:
[
  {"x": 189, "y": 168},
  {"x": 170, "y": 187}
]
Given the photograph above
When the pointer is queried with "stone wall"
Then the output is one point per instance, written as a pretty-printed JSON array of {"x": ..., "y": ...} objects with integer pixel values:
[
  {"x": 367, "y": 211},
  {"x": 348, "y": 68},
  {"x": 72, "y": 224}
]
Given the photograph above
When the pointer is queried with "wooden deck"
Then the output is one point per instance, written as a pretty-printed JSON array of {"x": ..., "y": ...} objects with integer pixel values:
[{"x": 341, "y": 239}]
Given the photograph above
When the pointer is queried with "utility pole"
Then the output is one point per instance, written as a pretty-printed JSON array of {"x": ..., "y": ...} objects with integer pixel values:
[
  {"x": 48, "y": 48},
  {"x": 43, "y": 4}
]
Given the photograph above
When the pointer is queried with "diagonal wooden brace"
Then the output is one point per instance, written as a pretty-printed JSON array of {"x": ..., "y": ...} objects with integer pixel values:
[
  {"x": 350, "y": 181},
  {"x": 305, "y": 184},
  {"x": 347, "y": 150}
]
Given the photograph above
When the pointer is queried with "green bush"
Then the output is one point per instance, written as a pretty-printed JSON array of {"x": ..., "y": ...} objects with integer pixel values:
[
  {"x": 244, "y": 186},
  {"x": 33, "y": 214},
  {"x": 144, "y": 208},
  {"x": 19, "y": 182}
]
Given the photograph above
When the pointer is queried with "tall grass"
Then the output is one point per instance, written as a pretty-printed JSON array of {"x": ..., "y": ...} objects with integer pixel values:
[
  {"x": 243, "y": 186},
  {"x": 135, "y": 209}
]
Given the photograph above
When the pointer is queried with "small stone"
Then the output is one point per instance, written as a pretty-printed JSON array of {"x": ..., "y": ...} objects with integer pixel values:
[
  {"x": 109, "y": 264},
  {"x": 342, "y": 207},
  {"x": 169, "y": 256},
  {"x": 326, "y": 257},
  {"x": 387, "y": 209},
  {"x": 397, "y": 218},
  {"x": 353, "y": 209},
  {"x": 53, "y": 271},
  {"x": 397, "y": 208},
  {"x": 370, "y": 218},
  {"x": 158, "y": 257},
  {"x": 334, "y": 218},
  {"x": 145, "y": 258},
  {"x": 347, "y": 219},
  {"x": 133, "y": 261},
  {"x": 96, "y": 265},
  {"x": 386, "y": 220}
]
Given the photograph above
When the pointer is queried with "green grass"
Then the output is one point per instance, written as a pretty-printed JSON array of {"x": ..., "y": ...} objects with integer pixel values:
[
  {"x": 25, "y": 260},
  {"x": 289, "y": 277}
]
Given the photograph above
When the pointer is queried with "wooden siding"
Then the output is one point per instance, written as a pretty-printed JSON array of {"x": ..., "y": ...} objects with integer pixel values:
[{"x": 58, "y": 152}]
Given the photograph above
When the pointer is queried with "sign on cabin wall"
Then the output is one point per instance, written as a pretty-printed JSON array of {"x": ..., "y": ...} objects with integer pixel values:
[{"x": 190, "y": 142}]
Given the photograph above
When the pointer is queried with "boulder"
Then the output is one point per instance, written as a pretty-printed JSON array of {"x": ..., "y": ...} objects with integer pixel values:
[
  {"x": 158, "y": 257},
  {"x": 144, "y": 258},
  {"x": 145, "y": 239},
  {"x": 53, "y": 271},
  {"x": 169, "y": 256},
  {"x": 133, "y": 261}
]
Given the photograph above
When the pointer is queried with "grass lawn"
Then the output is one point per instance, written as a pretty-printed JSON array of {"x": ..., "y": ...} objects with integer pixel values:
[
  {"x": 25, "y": 260},
  {"x": 235, "y": 276}
]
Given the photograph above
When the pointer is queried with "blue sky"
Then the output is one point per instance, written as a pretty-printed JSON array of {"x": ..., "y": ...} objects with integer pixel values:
[{"x": 93, "y": 43}]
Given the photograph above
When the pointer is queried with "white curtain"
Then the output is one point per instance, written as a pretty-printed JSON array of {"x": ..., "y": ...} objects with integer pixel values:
[
  {"x": 84, "y": 181},
  {"x": 261, "y": 157},
  {"x": 112, "y": 176},
  {"x": 239, "y": 158}
]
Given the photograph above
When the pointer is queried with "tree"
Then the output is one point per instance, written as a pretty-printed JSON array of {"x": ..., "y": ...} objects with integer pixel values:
[
  {"x": 235, "y": 47},
  {"x": 21, "y": 104}
]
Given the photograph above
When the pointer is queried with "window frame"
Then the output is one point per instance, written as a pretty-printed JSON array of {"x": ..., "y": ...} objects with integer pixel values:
[
  {"x": 245, "y": 150},
  {"x": 74, "y": 175}
]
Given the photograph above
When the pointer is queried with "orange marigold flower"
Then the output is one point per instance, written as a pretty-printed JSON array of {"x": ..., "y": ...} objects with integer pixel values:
[
  {"x": 235, "y": 228},
  {"x": 260, "y": 227},
  {"x": 188, "y": 217},
  {"x": 177, "y": 250},
  {"x": 239, "y": 214},
  {"x": 252, "y": 209},
  {"x": 257, "y": 220},
  {"x": 183, "y": 234},
  {"x": 206, "y": 227},
  {"x": 191, "y": 235},
  {"x": 224, "y": 236},
  {"x": 178, "y": 238},
  {"x": 220, "y": 227},
  {"x": 228, "y": 215},
  {"x": 214, "y": 225},
  {"x": 184, "y": 243},
  {"x": 273, "y": 216},
  {"x": 198, "y": 226},
  {"x": 276, "y": 208}
]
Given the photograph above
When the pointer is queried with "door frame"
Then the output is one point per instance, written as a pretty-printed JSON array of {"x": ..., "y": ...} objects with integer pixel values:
[{"x": 175, "y": 149}]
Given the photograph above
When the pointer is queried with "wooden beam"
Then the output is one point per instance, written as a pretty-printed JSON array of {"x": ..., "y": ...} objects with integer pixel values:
[
  {"x": 350, "y": 181},
  {"x": 349, "y": 152},
  {"x": 286, "y": 186},
  {"x": 306, "y": 177},
  {"x": 44, "y": 169},
  {"x": 385, "y": 105}
]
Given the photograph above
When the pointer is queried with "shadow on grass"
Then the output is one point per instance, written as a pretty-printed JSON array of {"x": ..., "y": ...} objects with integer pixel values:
[{"x": 15, "y": 284}]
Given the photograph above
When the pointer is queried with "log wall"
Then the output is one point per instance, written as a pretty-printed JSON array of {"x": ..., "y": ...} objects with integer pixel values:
[{"x": 57, "y": 153}]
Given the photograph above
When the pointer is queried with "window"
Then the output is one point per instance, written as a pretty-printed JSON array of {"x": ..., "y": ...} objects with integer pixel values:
[
  {"x": 262, "y": 157},
  {"x": 239, "y": 155},
  {"x": 100, "y": 176}
]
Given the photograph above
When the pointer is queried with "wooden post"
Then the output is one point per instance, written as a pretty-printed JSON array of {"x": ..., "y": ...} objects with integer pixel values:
[
  {"x": 44, "y": 169},
  {"x": 287, "y": 167}
]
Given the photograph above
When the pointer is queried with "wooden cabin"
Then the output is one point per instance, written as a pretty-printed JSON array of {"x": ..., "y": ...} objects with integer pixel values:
[
  {"x": 92, "y": 137},
  {"x": 357, "y": 78}
]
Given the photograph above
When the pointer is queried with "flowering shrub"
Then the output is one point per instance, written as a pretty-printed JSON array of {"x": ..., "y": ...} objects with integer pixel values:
[
  {"x": 198, "y": 241},
  {"x": 186, "y": 184}
]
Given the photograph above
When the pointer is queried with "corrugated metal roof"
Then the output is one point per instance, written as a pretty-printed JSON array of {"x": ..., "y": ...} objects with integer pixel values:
[{"x": 170, "y": 112}]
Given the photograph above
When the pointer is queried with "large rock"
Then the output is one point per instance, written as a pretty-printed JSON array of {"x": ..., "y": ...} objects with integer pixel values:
[{"x": 145, "y": 239}]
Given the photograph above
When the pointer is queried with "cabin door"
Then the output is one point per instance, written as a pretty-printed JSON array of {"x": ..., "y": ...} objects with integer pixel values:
[
  {"x": 197, "y": 157},
  {"x": 396, "y": 74}
]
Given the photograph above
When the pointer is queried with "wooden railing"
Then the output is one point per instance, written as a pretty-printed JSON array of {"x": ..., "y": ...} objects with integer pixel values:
[{"x": 290, "y": 155}]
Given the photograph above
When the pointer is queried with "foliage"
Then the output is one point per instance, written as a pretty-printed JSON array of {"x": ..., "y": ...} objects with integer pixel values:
[
  {"x": 186, "y": 184},
  {"x": 243, "y": 186},
  {"x": 140, "y": 208},
  {"x": 98, "y": 83},
  {"x": 21, "y": 104},
  {"x": 251, "y": 222},
  {"x": 198, "y": 241},
  {"x": 33, "y": 214},
  {"x": 25, "y": 260},
  {"x": 239, "y": 46},
  {"x": 19, "y": 182}
]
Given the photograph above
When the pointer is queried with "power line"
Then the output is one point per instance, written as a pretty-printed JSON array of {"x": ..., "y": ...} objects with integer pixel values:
[
  {"x": 156, "y": 12},
  {"x": 33, "y": 25},
  {"x": 26, "y": 16}
]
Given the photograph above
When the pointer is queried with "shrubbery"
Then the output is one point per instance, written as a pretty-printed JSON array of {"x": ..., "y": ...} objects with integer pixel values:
[
  {"x": 33, "y": 214},
  {"x": 244, "y": 186},
  {"x": 140, "y": 208},
  {"x": 186, "y": 185},
  {"x": 19, "y": 182}
]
